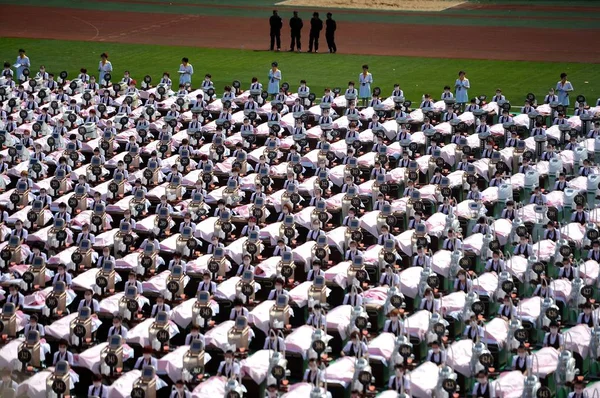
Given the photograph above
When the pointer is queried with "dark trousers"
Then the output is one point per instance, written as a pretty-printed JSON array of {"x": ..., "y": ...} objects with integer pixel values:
[
  {"x": 295, "y": 41},
  {"x": 275, "y": 37},
  {"x": 330, "y": 37},
  {"x": 314, "y": 38}
]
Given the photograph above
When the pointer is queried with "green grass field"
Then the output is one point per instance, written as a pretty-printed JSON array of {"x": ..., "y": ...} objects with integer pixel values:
[{"x": 415, "y": 75}]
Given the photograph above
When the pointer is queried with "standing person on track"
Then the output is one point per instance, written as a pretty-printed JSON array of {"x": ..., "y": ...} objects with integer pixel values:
[
  {"x": 276, "y": 24},
  {"x": 316, "y": 26},
  {"x": 296, "y": 27},
  {"x": 330, "y": 27},
  {"x": 104, "y": 67}
]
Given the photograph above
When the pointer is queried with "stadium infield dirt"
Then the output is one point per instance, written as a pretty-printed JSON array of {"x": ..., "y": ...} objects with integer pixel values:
[
  {"x": 473, "y": 11},
  {"x": 468, "y": 42},
  {"x": 527, "y": 7}
]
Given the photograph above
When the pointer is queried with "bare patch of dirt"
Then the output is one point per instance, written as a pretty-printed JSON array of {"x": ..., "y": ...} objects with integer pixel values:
[{"x": 398, "y": 5}]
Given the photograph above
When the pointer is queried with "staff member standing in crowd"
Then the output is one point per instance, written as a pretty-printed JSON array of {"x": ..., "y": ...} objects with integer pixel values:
[
  {"x": 365, "y": 79},
  {"x": 276, "y": 25},
  {"x": 296, "y": 27},
  {"x": 330, "y": 27},
  {"x": 186, "y": 70},
  {"x": 563, "y": 87},
  {"x": 104, "y": 67},
  {"x": 316, "y": 26},
  {"x": 274, "y": 79},
  {"x": 462, "y": 86},
  {"x": 22, "y": 64}
]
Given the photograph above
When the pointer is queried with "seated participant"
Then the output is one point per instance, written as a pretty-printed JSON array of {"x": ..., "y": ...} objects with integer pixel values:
[
  {"x": 194, "y": 335},
  {"x": 97, "y": 389},
  {"x": 146, "y": 360},
  {"x": 117, "y": 328},
  {"x": 228, "y": 367},
  {"x": 63, "y": 354}
]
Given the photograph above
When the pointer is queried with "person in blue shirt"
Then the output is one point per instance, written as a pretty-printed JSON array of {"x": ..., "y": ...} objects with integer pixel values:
[
  {"x": 22, "y": 64},
  {"x": 186, "y": 70},
  {"x": 274, "y": 79},
  {"x": 365, "y": 79},
  {"x": 563, "y": 88},
  {"x": 462, "y": 86}
]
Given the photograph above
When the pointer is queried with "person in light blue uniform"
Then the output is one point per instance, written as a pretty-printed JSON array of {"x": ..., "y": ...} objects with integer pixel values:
[
  {"x": 563, "y": 87},
  {"x": 274, "y": 79},
  {"x": 365, "y": 79},
  {"x": 186, "y": 70},
  {"x": 462, "y": 86},
  {"x": 104, "y": 67},
  {"x": 21, "y": 64}
]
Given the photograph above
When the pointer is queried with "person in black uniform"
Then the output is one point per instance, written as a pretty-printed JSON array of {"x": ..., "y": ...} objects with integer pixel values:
[
  {"x": 399, "y": 382},
  {"x": 97, "y": 389},
  {"x": 296, "y": 27},
  {"x": 316, "y": 26},
  {"x": 586, "y": 317},
  {"x": 355, "y": 347},
  {"x": 276, "y": 24},
  {"x": 474, "y": 331},
  {"x": 578, "y": 391},
  {"x": 554, "y": 338},
  {"x": 482, "y": 388},
  {"x": 521, "y": 361},
  {"x": 330, "y": 27},
  {"x": 7, "y": 381},
  {"x": 435, "y": 355}
]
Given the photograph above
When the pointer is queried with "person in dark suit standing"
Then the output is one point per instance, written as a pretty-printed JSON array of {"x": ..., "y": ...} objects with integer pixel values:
[
  {"x": 296, "y": 27},
  {"x": 276, "y": 25},
  {"x": 316, "y": 26},
  {"x": 330, "y": 27}
]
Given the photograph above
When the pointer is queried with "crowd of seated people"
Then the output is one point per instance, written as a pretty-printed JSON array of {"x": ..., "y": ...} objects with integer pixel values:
[{"x": 370, "y": 250}]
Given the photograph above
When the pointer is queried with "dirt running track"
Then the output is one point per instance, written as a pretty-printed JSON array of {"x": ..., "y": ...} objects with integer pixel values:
[{"x": 470, "y": 42}]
